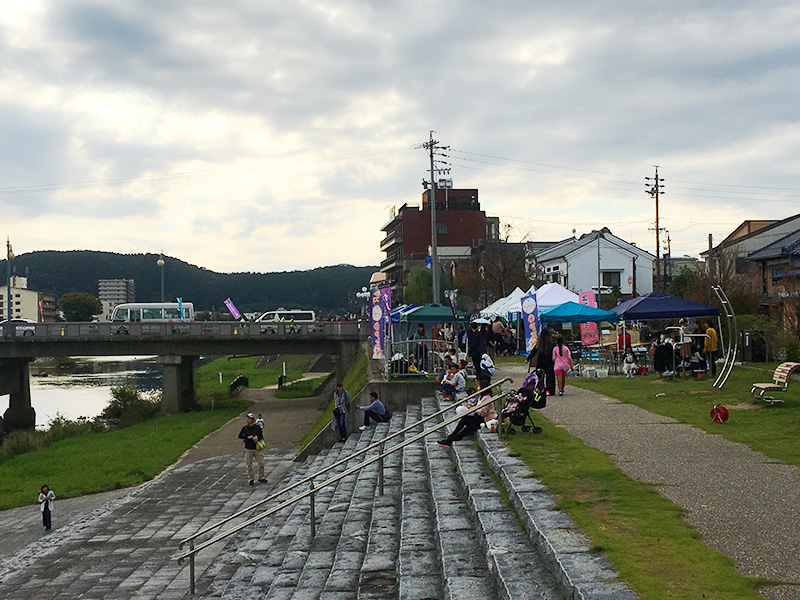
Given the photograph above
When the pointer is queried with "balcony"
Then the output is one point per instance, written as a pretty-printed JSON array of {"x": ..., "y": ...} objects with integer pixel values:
[{"x": 390, "y": 241}]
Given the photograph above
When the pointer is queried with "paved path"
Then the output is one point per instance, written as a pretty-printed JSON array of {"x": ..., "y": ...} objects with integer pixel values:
[
  {"x": 746, "y": 505},
  {"x": 286, "y": 421}
]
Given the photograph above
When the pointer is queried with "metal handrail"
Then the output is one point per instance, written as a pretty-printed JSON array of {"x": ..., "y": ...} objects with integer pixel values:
[
  {"x": 193, "y": 550},
  {"x": 347, "y": 459}
]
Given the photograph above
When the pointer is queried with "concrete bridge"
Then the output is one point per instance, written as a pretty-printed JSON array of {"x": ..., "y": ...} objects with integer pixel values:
[{"x": 177, "y": 345}]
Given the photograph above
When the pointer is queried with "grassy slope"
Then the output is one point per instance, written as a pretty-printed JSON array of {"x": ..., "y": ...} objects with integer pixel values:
[
  {"x": 770, "y": 429},
  {"x": 644, "y": 535},
  {"x": 105, "y": 461}
]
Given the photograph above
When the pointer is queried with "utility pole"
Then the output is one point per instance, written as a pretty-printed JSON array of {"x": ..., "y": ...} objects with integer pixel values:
[
  {"x": 433, "y": 152},
  {"x": 654, "y": 189}
]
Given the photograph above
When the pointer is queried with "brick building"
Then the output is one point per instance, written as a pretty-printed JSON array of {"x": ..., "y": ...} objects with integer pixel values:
[{"x": 462, "y": 227}]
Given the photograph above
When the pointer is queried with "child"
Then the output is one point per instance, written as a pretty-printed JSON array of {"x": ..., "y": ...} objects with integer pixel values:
[
  {"x": 629, "y": 363},
  {"x": 46, "y": 498},
  {"x": 562, "y": 362}
]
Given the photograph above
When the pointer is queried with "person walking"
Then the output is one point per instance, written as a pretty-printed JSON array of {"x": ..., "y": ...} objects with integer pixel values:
[
  {"x": 376, "y": 411},
  {"x": 542, "y": 358},
  {"x": 710, "y": 347},
  {"x": 46, "y": 497},
  {"x": 562, "y": 362},
  {"x": 341, "y": 406},
  {"x": 252, "y": 434}
]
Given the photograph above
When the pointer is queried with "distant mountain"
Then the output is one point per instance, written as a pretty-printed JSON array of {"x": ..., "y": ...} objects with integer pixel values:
[{"x": 325, "y": 289}]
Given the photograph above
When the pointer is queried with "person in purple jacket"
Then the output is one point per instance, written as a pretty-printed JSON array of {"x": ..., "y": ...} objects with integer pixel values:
[{"x": 562, "y": 362}]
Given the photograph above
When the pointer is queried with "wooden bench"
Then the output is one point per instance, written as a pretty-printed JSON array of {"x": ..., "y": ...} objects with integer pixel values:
[{"x": 780, "y": 382}]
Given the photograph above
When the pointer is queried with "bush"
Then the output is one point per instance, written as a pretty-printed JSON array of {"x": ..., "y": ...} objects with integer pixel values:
[
  {"x": 128, "y": 407},
  {"x": 60, "y": 427},
  {"x": 793, "y": 350},
  {"x": 21, "y": 441}
]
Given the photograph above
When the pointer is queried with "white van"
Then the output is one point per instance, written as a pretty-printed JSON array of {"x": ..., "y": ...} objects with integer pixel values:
[
  {"x": 293, "y": 315},
  {"x": 150, "y": 312}
]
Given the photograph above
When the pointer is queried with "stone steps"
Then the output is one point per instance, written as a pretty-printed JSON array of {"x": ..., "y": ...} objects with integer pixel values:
[{"x": 123, "y": 550}]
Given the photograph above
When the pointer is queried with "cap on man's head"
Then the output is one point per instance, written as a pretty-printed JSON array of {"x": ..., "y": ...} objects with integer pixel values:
[{"x": 251, "y": 416}]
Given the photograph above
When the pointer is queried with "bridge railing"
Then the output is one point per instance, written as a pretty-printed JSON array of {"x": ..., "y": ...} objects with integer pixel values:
[{"x": 187, "y": 330}]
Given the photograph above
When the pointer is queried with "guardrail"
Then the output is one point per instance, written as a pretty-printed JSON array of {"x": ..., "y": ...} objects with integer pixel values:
[
  {"x": 190, "y": 330},
  {"x": 412, "y": 357},
  {"x": 193, "y": 550}
]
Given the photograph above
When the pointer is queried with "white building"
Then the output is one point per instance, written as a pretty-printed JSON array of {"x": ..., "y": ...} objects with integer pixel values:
[
  {"x": 112, "y": 292},
  {"x": 25, "y": 303},
  {"x": 601, "y": 258}
]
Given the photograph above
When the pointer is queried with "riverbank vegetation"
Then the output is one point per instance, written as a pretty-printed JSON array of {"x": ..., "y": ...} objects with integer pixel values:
[{"x": 98, "y": 462}]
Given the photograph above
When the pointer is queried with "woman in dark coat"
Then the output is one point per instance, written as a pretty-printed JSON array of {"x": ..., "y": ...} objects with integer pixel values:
[{"x": 542, "y": 358}]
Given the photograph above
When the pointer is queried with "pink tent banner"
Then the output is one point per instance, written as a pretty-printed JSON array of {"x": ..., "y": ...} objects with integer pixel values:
[{"x": 589, "y": 332}]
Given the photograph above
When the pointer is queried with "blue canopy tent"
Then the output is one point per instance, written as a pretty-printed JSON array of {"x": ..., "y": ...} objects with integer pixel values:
[
  {"x": 572, "y": 312},
  {"x": 656, "y": 305}
]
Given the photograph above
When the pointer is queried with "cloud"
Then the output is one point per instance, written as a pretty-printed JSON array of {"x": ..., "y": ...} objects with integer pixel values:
[{"x": 251, "y": 136}]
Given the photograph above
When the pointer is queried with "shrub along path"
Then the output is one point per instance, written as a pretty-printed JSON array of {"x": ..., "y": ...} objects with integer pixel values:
[{"x": 746, "y": 505}]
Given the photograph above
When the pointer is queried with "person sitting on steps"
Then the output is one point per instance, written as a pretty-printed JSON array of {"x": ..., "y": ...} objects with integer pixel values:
[
  {"x": 376, "y": 411},
  {"x": 471, "y": 423}
]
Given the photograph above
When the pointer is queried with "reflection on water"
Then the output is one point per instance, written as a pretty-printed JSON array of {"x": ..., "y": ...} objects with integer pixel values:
[{"x": 81, "y": 386}]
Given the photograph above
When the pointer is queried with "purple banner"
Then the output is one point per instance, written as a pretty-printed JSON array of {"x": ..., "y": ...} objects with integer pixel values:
[
  {"x": 236, "y": 314},
  {"x": 530, "y": 320},
  {"x": 380, "y": 313}
]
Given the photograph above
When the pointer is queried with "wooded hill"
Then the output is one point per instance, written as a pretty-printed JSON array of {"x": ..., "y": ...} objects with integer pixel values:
[{"x": 325, "y": 289}]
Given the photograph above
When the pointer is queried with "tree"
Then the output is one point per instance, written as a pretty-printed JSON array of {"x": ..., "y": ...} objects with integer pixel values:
[
  {"x": 79, "y": 306},
  {"x": 419, "y": 287}
]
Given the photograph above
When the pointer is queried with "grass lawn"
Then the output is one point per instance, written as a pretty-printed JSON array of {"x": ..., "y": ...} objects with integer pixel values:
[
  {"x": 206, "y": 377},
  {"x": 100, "y": 462},
  {"x": 643, "y": 534},
  {"x": 770, "y": 429}
]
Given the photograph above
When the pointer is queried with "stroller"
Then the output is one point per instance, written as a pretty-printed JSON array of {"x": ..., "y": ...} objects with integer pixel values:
[{"x": 532, "y": 394}]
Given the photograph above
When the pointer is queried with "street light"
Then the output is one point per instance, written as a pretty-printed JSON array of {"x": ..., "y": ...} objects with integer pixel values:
[
  {"x": 9, "y": 303},
  {"x": 160, "y": 263}
]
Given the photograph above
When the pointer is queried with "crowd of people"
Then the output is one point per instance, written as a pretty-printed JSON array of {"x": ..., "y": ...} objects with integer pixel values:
[{"x": 688, "y": 348}]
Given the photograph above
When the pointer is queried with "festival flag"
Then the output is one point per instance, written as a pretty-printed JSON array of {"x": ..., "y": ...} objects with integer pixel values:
[
  {"x": 589, "y": 331},
  {"x": 229, "y": 303},
  {"x": 530, "y": 320},
  {"x": 379, "y": 315},
  {"x": 454, "y": 304}
]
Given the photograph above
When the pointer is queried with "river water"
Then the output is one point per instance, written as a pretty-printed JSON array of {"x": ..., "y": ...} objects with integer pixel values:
[{"x": 81, "y": 386}]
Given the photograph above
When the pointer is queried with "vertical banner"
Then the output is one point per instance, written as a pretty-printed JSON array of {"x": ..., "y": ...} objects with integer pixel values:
[
  {"x": 180, "y": 309},
  {"x": 530, "y": 320},
  {"x": 454, "y": 304},
  {"x": 589, "y": 331},
  {"x": 380, "y": 313},
  {"x": 236, "y": 314}
]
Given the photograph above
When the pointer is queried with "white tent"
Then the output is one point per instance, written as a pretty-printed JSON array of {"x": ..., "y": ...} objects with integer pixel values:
[
  {"x": 554, "y": 294},
  {"x": 504, "y": 306}
]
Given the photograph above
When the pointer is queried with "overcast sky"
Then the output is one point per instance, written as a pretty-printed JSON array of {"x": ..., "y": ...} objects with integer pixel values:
[{"x": 269, "y": 136}]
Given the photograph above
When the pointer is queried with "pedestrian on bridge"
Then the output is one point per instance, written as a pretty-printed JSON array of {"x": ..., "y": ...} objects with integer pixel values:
[{"x": 253, "y": 438}]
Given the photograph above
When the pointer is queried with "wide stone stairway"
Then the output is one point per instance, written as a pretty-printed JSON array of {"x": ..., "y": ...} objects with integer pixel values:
[{"x": 441, "y": 529}]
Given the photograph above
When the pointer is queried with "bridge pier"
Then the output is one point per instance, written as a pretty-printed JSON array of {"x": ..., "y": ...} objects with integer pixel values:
[
  {"x": 177, "y": 384},
  {"x": 15, "y": 381}
]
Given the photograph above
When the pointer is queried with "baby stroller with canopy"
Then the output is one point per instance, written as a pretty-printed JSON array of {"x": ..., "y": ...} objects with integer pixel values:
[{"x": 532, "y": 394}]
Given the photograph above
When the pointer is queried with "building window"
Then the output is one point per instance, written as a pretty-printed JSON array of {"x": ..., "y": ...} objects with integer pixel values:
[
  {"x": 611, "y": 278},
  {"x": 441, "y": 228}
]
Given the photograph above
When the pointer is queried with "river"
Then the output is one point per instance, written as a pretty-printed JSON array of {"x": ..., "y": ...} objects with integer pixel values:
[{"x": 81, "y": 386}]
